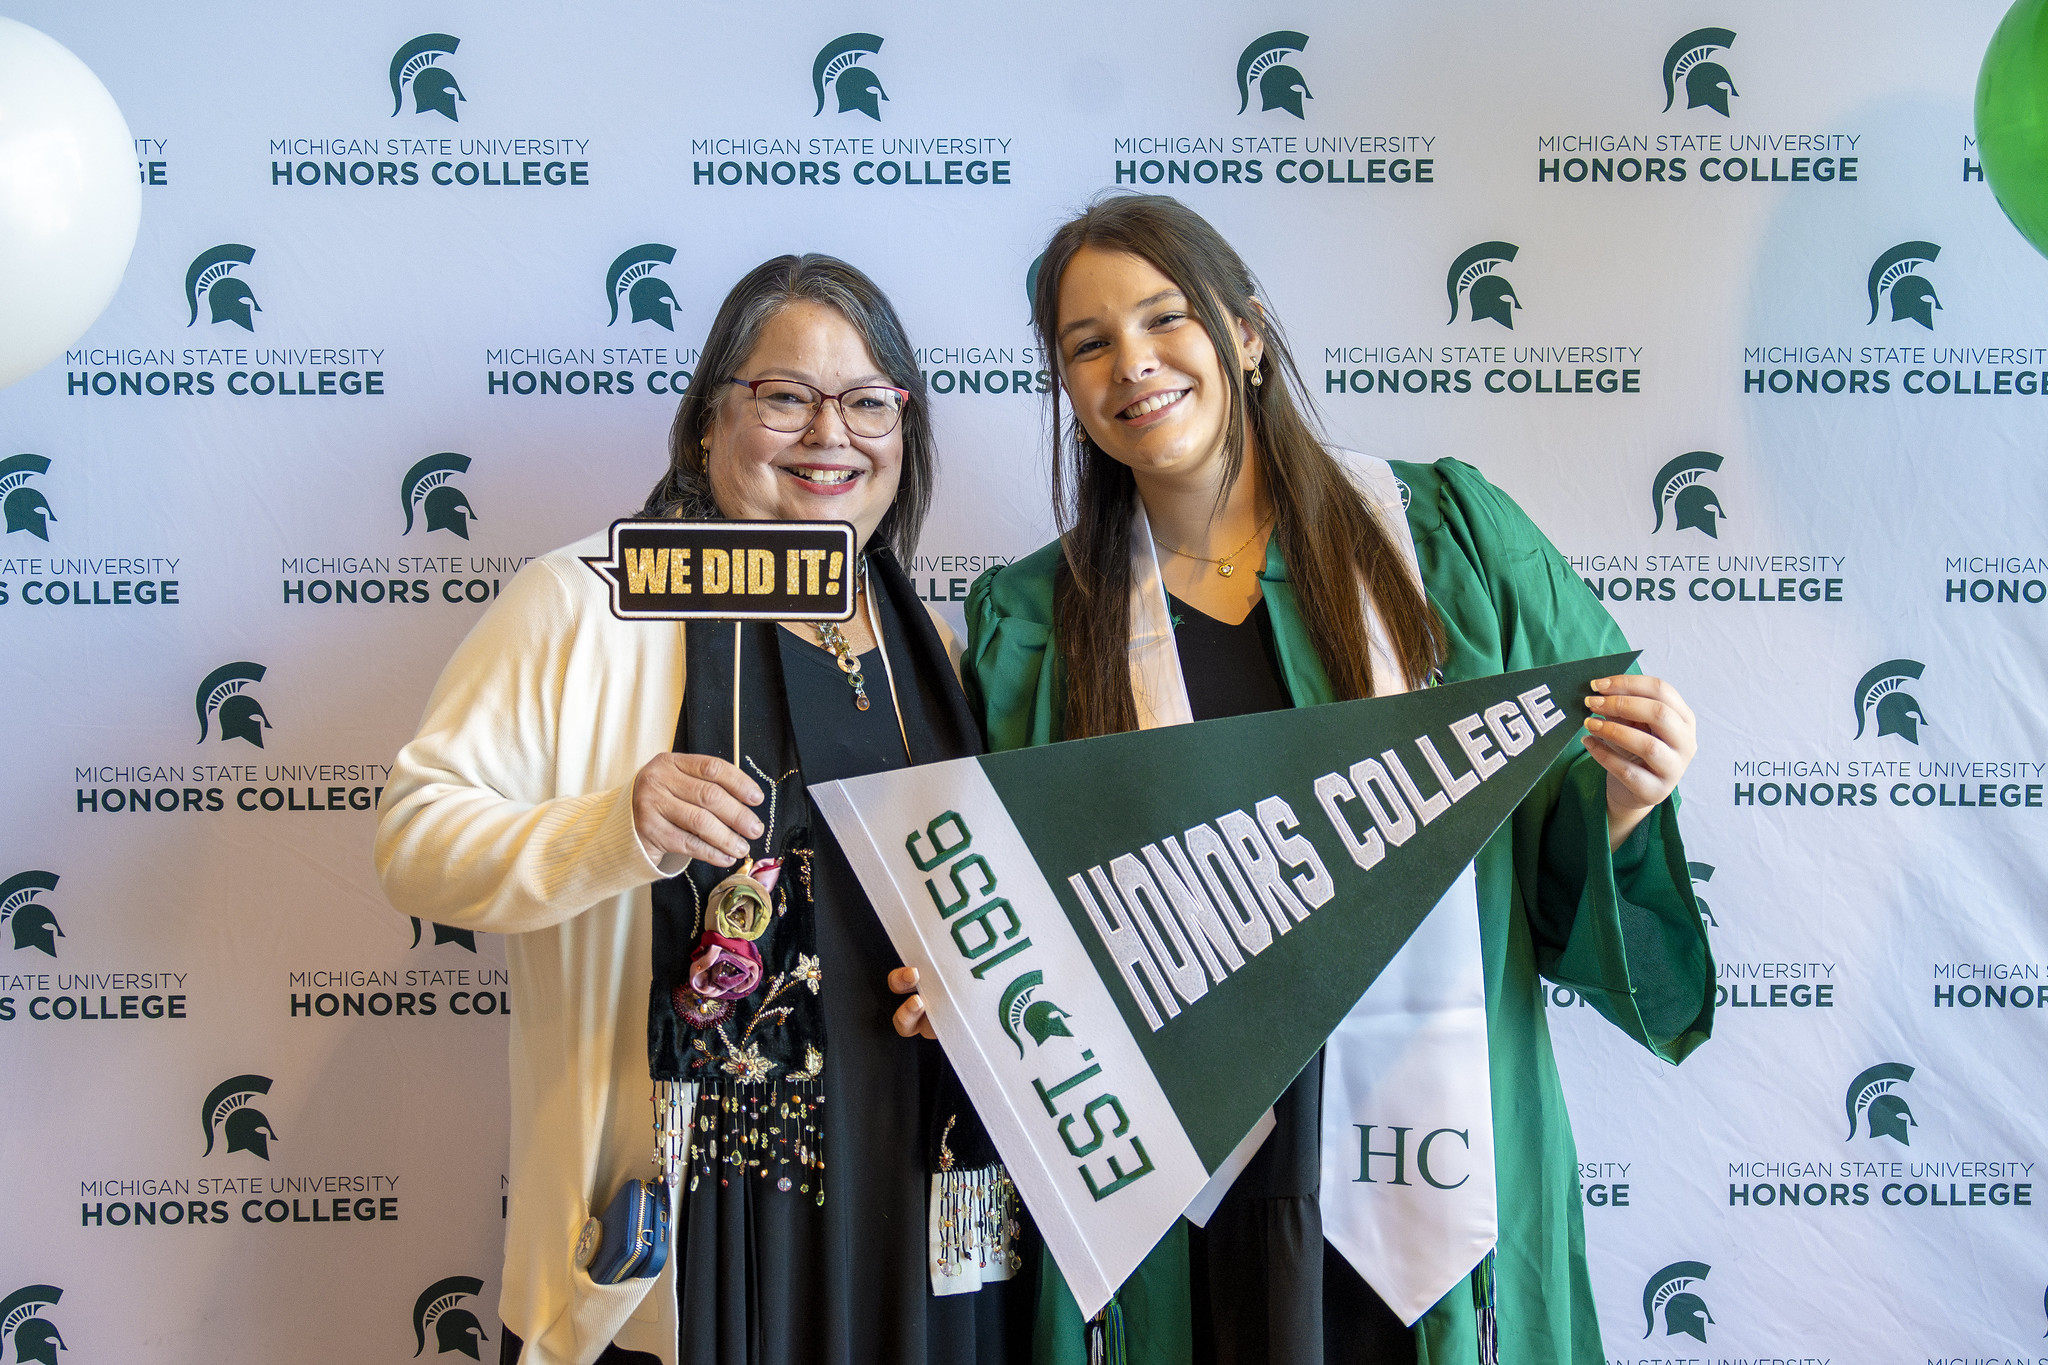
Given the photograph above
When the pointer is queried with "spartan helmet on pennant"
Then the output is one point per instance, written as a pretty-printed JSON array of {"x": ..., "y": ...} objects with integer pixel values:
[
  {"x": 228, "y": 298},
  {"x": 838, "y": 67},
  {"x": 1487, "y": 295},
  {"x": 1042, "y": 1019},
  {"x": 432, "y": 87},
  {"x": 230, "y": 1108},
  {"x": 1679, "y": 486},
  {"x": 1280, "y": 85},
  {"x": 1898, "y": 711},
  {"x": 35, "y": 1337},
  {"x": 241, "y": 717},
  {"x": 649, "y": 296},
  {"x": 25, "y": 508},
  {"x": 29, "y": 920},
  {"x": 1885, "y": 1114},
  {"x": 427, "y": 487},
  {"x": 1706, "y": 83},
  {"x": 455, "y": 1327},
  {"x": 1684, "y": 1311},
  {"x": 1912, "y": 297}
]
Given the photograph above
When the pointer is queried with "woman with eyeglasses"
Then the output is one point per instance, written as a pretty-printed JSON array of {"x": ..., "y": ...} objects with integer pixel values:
[
  {"x": 685, "y": 925},
  {"x": 1218, "y": 558}
]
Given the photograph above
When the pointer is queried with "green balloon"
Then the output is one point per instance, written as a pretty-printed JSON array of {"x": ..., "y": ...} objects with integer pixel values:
[{"x": 2012, "y": 118}]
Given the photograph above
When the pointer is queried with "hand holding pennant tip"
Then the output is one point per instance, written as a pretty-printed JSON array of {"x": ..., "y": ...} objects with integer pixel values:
[
  {"x": 1098, "y": 930},
  {"x": 1644, "y": 736}
]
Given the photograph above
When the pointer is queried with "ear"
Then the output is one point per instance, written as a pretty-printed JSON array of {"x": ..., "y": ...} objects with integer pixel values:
[{"x": 1250, "y": 350}]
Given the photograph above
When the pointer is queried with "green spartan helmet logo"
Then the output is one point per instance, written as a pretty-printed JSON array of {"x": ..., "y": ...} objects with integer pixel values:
[
  {"x": 443, "y": 933},
  {"x": 25, "y": 508},
  {"x": 230, "y": 1108},
  {"x": 241, "y": 717},
  {"x": 1706, "y": 83},
  {"x": 1031, "y": 282},
  {"x": 1701, "y": 874},
  {"x": 1684, "y": 1311},
  {"x": 30, "y": 921},
  {"x": 432, "y": 87},
  {"x": 212, "y": 274},
  {"x": 1912, "y": 297},
  {"x": 1280, "y": 85},
  {"x": 838, "y": 65},
  {"x": 1884, "y": 687},
  {"x": 1680, "y": 487},
  {"x": 1884, "y": 1114},
  {"x": 648, "y": 294},
  {"x": 455, "y": 1327},
  {"x": 427, "y": 486},
  {"x": 1486, "y": 294},
  {"x": 35, "y": 1338},
  {"x": 1040, "y": 1018}
]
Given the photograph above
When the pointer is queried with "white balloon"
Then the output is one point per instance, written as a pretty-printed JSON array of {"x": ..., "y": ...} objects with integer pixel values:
[{"x": 70, "y": 199}]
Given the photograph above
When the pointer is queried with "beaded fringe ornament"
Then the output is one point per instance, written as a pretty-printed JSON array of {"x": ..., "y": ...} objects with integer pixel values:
[
  {"x": 769, "y": 1130},
  {"x": 675, "y": 1105},
  {"x": 977, "y": 1224}
]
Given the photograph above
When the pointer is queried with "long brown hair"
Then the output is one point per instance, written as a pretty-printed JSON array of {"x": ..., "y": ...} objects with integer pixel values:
[
  {"x": 1329, "y": 536},
  {"x": 767, "y": 289}
]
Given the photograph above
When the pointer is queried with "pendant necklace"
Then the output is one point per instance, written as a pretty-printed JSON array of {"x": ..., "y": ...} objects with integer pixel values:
[
  {"x": 834, "y": 639},
  {"x": 1224, "y": 567}
]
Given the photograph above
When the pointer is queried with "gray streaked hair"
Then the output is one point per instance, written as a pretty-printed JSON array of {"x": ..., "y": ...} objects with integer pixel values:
[{"x": 685, "y": 490}]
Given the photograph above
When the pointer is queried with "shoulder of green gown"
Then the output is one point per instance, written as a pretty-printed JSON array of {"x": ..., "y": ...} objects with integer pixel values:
[
  {"x": 1451, "y": 497},
  {"x": 1019, "y": 590},
  {"x": 1009, "y": 663}
]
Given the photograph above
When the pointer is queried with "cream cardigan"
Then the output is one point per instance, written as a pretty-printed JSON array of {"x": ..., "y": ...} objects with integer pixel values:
[{"x": 511, "y": 811}]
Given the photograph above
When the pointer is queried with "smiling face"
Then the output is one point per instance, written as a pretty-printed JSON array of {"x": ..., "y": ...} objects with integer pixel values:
[
  {"x": 1143, "y": 375},
  {"x": 824, "y": 472}
]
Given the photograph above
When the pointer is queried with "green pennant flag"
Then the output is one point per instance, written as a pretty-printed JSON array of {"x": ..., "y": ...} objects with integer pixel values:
[{"x": 1108, "y": 928}]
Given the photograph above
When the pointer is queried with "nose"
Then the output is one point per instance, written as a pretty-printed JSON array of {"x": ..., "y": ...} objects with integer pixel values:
[
  {"x": 828, "y": 428},
  {"x": 1136, "y": 358}
]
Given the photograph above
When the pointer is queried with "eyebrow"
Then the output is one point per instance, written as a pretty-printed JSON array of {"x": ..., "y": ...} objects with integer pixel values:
[
  {"x": 803, "y": 377},
  {"x": 1140, "y": 306}
]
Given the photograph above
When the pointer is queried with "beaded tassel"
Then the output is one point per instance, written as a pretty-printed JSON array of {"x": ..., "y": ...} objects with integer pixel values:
[
  {"x": 1106, "y": 1336},
  {"x": 1483, "y": 1306}
]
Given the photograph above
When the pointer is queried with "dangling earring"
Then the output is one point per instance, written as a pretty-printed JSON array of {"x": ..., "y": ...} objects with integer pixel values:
[{"x": 1257, "y": 378}]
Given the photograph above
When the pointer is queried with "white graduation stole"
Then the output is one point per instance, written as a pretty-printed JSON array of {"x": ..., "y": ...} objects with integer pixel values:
[{"x": 1407, "y": 1143}]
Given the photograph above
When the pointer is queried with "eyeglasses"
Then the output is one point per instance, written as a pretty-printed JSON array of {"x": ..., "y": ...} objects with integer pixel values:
[{"x": 785, "y": 405}]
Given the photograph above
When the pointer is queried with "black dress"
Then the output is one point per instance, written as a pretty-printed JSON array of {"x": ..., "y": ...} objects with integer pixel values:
[
  {"x": 1267, "y": 1289},
  {"x": 776, "y": 1276}
]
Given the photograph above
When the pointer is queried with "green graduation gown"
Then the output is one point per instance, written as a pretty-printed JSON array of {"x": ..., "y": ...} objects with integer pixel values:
[{"x": 1622, "y": 929}]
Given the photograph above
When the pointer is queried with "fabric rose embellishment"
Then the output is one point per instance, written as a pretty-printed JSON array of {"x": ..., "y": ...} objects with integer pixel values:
[
  {"x": 742, "y": 905},
  {"x": 724, "y": 968}
]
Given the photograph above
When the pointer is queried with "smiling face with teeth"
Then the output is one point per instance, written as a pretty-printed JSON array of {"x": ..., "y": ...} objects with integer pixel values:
[
  {"x": 824, "y": 472},
  {"x": 1142, "y": 373}
]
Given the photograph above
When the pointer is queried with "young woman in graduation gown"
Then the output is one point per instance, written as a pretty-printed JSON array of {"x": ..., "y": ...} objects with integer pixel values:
[{"x": 1196, "y": 498}]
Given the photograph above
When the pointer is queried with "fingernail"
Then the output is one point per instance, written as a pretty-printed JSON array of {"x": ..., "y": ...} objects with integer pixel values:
[
  {"x": 1594, "y": 703},
  {"x": 1600, "y": 684},
  {"x": 754, "y": 828},
  {"x": 1593, "y": 722}
]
